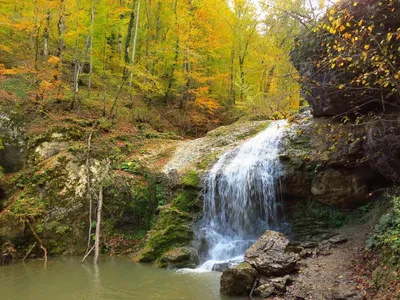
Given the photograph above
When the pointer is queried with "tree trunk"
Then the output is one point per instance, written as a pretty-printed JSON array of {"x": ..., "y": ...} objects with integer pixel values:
[
  {"x": 134, "y": 53},
  {"x": 91, "y": 48},
  {"x": 46, "y": 35},
  {"x": 175, "y": 63},
  {"x": 128, "y": 38},
  {"x": 98, "y": 225}
]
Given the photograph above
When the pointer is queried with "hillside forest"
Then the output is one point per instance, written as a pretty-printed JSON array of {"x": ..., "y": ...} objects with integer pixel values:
[{"x": 184, "y": 65}]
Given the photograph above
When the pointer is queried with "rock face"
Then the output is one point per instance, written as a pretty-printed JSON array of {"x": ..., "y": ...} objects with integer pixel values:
[
  {"x": 182, "y": 257},
  {"x": 269, "y": 255},
  {"x": 339, "y": 164},
  {"x": 336, "y": 186},
  {"x": 12, "y": 142},
  {"x": 238, "y": 281}
]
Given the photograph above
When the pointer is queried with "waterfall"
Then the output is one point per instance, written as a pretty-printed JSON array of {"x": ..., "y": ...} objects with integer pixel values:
[{"x": 241, "y": 198}]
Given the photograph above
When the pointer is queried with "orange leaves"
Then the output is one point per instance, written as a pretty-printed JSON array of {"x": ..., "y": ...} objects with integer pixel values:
[
  {"x": 204, "y": 101},
  {"x": 12, "y": 71},
  {"x": 53, "y": 60}
]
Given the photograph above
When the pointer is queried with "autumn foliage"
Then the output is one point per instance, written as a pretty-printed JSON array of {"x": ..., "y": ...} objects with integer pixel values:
[
  {"x": 358, "y": 44},
  {"x": 209, "y": 61}
]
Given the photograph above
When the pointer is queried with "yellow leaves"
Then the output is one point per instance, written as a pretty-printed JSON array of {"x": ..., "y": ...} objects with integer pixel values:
[
  {"x": 45, "y": 85},
  {"x": 12, "y": 71},
  {"x": 366, "y": 47},
  {"x": 332, "y": 11},
  {"x": 341, "y": 86},
  {"x": 5, "y": 48},
  {"x": 333, "y": 66},
  {"x": 342, "y": 28},
  {"x": 346, "y": 35},
  {"x": 364, "y": 55},
  {"x": 54, "y": 60},
  {"x": 355, "y": 3}
]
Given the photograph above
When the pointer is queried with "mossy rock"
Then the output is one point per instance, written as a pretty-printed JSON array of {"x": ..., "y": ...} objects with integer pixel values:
[
  {"x": 172, "y": 229},
  {"x": 182, "y": 257},
  {"x": 187, "y": 201},
  {"x": 191, "y": 179}
]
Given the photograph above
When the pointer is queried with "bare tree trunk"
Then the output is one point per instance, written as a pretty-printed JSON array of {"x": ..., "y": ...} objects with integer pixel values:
[
  {"x": 232, "y": 94},
  {"x": 134, "y": 52},
  {"x": 61, "y": 29},
  {"x": 88, "y": 189},
  {"x": 46, "y": 35},
  {"x": 91, "y": 48},
  {"x": 77, "y": 66},
  {"x": 98, "y": 225},
  {"x": 175, "y": 63},
  {"x": 128, "y": 38},
  {"x": 37, "y": 34}
]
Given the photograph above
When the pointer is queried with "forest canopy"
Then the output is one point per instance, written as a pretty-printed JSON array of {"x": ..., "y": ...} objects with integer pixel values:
[{"x": 194, "y": 64}]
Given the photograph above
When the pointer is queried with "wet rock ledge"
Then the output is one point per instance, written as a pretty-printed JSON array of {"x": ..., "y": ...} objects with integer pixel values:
[{"x": 265, "y": 270}]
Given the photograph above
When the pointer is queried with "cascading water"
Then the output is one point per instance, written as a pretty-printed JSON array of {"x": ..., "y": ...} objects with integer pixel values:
[{"x": 241, "y": 198}]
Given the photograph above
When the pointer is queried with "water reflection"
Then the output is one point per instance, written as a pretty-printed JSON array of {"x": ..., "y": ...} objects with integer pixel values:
[{"x": 111, "y": 279}]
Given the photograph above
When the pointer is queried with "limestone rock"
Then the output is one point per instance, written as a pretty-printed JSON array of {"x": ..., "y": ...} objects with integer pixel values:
[
  {"x": 269, "y": 255},
  {"x": 49, "y": 149},
  {"x": 182, "y": 257},
  {"x": 265, "y": 290},
  {"x": 334, "y": 187},
  {"x": 12, "y": 141},
  {"x": 272, "y": 286},
  {"x": 238, "y": 281}
]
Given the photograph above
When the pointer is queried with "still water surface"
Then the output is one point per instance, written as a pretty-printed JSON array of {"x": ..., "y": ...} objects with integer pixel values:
[{"x": 112, "y": 279}]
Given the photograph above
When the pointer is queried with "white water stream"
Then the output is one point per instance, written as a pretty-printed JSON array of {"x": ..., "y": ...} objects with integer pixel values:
[{"x": 241, "y": 198}]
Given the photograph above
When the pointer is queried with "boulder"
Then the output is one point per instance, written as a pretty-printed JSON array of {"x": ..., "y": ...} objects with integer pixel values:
[
  {"x": 238, "y": 281},
  {"x": 182, "y": 257},
  {"x": 269, "y": 255}
]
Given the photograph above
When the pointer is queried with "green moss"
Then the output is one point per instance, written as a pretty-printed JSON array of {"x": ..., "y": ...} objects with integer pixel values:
[
  {"x": 172, "y": 229},
  {"x": 1, "y": 144},
  {"x": 244, "y": 265},
  {"x": 191, "y": 179},
  {"x": 186, "y": 201}
]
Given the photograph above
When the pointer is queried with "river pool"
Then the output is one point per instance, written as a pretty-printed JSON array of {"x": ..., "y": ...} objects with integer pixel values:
[{"x": 112, "y": 279}]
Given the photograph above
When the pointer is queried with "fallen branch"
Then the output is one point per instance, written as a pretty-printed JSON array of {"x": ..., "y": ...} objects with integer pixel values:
[
  {"x": 87, "y": 254},
  {"x": 38, "y": 239},
  {"x": 29, "y": 251}
]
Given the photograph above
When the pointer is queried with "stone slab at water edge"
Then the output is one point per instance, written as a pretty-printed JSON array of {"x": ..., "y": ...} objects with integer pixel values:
[
  {"x": 265, "y": 262},
  {"x": 269, "y": 255}
]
